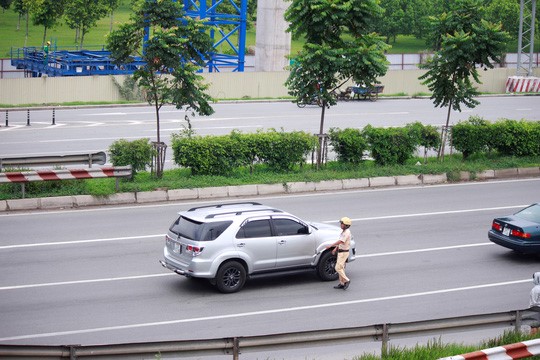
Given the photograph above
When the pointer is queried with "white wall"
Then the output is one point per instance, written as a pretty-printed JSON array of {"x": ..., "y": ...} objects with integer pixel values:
[{"x": 223, "y": 85}]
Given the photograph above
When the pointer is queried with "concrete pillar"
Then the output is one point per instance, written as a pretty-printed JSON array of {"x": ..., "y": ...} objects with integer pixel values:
[{"x": 273, "y": 43}]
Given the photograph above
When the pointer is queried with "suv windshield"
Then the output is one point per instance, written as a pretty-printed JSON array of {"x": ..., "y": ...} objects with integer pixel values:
[{"x": 198, "y": 231}]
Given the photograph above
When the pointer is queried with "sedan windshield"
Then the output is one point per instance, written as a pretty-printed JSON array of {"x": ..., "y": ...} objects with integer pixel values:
[{"x": 531, "y": 213}]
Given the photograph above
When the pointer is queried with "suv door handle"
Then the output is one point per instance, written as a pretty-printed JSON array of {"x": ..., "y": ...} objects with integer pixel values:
[
  {"x": 282, "y": 242},
  {"x": 241, "y": 244}
]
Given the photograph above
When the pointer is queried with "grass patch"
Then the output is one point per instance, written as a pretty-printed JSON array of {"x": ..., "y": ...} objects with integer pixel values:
[
  {"x": 435, "y": 349},
  {"x": 183, "y": 179}
]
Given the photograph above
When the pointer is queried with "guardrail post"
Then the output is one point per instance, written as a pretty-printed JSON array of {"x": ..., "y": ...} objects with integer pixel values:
[
  {"x": 73, "y": 352},
  {"x": 28, "y": 117},
  {"x": 236, "y": 349},
  {"x": 385, "y": 338},
  {"x": 517, "y": 324}
]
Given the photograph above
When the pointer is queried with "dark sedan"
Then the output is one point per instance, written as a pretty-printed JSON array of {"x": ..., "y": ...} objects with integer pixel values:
[{"x": 519, "y": 232}]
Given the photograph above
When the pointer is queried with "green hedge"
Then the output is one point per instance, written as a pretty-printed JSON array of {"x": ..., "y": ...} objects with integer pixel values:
[
  {"x": 507, "y": 137},
  {"x": 220, "y": 155}
]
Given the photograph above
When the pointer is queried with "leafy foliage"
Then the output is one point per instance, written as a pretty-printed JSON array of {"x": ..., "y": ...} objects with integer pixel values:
[
  {"x": 464, "y": 41},
  {"x": 46, "y": 13},
  {"x": 516, "y": 138},
  {"x": 508, "y": 137},
  {"x": 338, "y": 47},
  {"x": 84, "y": 14},
  {"x": 175, "y": 49},
  {"x": 349, "y": 144},
  {"x": 471, "y": 136},
  {"x": 220, "y": 155},
  {"x": 390, "y": 146},
  {"x": 137, "y": 153}
]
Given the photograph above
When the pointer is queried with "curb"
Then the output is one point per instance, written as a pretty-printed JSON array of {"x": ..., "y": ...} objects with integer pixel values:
[{"x": 144, "y": 197}]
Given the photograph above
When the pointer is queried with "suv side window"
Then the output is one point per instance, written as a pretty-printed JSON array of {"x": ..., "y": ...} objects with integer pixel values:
[
  {"x": 285, "y": 227},
  {"x": 255, "y": 229}
]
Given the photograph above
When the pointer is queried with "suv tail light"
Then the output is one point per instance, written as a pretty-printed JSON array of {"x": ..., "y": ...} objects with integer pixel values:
[{"x": 194, "y": 250}]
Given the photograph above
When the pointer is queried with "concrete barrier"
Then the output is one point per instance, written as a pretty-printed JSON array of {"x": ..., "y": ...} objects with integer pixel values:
[{"x": 248, "y": 190}]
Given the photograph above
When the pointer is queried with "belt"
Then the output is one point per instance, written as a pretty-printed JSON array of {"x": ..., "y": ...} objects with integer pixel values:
[{"x": 341, "y": 250}]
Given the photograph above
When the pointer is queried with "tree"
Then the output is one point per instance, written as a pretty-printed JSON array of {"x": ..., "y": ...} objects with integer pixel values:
[
  {"x": 5, "y": 4},
  {"x": 46, "y": 13},
  {"x": 112, "y": 5},
  {"x": 84, "y": 14},
  {"x": 22, "y": 7},
  {"x": 507, "y": 13},
  {"x": 337, "y": 48},
  {"x": 465, "y": 42},
  {"x": 175, "y": 50},
  {"x": 393, "y": 20}
]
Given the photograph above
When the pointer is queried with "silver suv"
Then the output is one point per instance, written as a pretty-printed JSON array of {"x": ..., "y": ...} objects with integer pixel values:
[{"x": 228, "y": 243}]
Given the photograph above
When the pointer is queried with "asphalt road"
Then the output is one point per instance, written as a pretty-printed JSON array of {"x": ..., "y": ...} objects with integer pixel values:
[
  {"x": 91, "y": 130},
  {"x": 91, "y": 276}
]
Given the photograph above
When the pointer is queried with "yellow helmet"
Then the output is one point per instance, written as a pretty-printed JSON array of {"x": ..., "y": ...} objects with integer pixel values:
[
  {"x": 345, "y": 220},
  {"x": 48, "y": 43}
]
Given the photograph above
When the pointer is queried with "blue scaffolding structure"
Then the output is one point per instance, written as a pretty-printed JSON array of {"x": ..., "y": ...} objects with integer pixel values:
[{"x": 229, "y": 46}]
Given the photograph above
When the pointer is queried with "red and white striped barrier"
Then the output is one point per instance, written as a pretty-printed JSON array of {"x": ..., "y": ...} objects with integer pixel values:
[
  {"x": 65, "y": 174},
  {"x": 522, "y": 84},
  {"x": 519, "y": 350}
]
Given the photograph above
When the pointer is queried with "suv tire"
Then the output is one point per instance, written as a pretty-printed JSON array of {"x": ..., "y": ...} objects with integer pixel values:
[
  {"x": 326, "y": 268},
  {"x": 230, "y": 277}
]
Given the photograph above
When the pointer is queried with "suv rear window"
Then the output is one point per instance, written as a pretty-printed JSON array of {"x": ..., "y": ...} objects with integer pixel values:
[{"x": 198, "y": 231}]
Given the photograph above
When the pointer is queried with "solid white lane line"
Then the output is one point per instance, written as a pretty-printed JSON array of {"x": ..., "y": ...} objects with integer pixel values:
[
  {"x": 262, "y": 312},
  {"x": 434, "y": 213},
  {"x": 77, "y": 242},
  {"x": 424, "y": 250},
  {"x": 77, "y": 282}
]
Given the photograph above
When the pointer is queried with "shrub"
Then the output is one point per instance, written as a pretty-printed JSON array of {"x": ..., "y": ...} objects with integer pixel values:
[
  {"x": 390, "y": 146},
  {"x": 209, "y": 155},
  {"x": 425, "y": 135},
  {"x": 137, "y": 153},
  {"x": 516, "y": 138},
  {"x": 471, "y": 136},
  {"x": 349, "y": 144},
  {"x": 282, "y": 151}
]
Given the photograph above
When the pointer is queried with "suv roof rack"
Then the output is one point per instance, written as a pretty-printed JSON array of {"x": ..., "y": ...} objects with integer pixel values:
[
  {"x": 211, "y": 216},
  {"x": 227, "y": 204}
]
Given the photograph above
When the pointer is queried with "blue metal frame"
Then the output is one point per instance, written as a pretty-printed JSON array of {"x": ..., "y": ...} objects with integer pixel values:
[
  {"x": 88, "y": 62},
  {"x": 237, "y": 20}
]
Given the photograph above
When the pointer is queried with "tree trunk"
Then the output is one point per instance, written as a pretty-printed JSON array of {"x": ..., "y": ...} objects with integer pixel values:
[
  {"x": 26, "y": 34},
  {"x": 321, "y": 133},
  {"x": 444, "y": 133},
  {"x": 160, "y": 147}
]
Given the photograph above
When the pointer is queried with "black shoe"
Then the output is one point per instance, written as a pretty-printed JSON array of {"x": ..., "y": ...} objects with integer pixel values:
[
  {"x": 346, "y": 285},
  {"x": 339, "y": 286}
]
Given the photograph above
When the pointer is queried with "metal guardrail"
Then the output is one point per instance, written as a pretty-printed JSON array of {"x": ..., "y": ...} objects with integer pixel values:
[
  {"x": 24, "y": 177},
  {"x": 234, "y": 346},
  {"x": 34, "y": 161}
]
